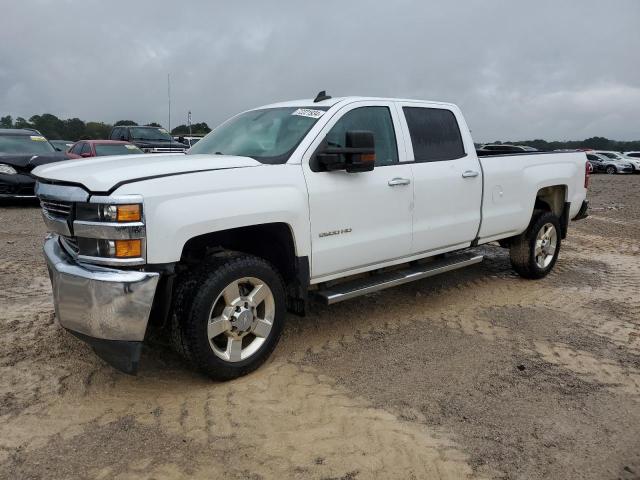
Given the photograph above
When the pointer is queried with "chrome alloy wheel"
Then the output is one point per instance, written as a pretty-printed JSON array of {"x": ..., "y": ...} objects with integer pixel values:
[
  {"x": 546, "y": 244},
  {"x": 241, "y": 319}
]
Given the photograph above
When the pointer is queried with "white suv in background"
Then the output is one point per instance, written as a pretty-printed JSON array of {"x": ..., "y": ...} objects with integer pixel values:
[{"x": 633, "y": 160}]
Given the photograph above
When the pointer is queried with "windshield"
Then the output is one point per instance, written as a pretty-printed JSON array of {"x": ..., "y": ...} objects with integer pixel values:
[
  {"x": 35, "y": 144},
  {"x": 268, "y": 135},
  {"x": 153, "y": 134},
  {"x": 61, "y": 144},
  {"x": 116, "y": 149}
]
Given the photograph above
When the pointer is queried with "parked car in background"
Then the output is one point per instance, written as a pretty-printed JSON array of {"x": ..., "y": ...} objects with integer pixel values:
[
  {"x": 21, "y": 150},
  {"x": 61, "y": 145},
  {"x": 497, "y": 149},
  {"x": 190, "y": 141},
  {"x": 624, "y": 158},
  {"x": 632, "y": 154},
  {"x": 603, "y": 163},
  {"x": 101, "y": 148},
  {"x": 148, "y": 139}
]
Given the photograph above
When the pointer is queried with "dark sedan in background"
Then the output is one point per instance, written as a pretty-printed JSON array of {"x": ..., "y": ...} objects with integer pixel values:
[{"x": 21, "y": 150}]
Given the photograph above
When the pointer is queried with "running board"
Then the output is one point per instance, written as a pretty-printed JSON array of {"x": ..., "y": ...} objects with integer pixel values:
[{"x": 362, "y": 286}]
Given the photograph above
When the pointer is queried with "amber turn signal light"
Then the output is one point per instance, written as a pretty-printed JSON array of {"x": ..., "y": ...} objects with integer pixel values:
[
  {"x": 368, "y": 157},
  {"x": 128, "y": 248},
  {"x": 129, "y": 213}
]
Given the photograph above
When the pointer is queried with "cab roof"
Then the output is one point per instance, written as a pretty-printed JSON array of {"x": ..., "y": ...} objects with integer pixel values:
[{"x": 310, "y": 103}]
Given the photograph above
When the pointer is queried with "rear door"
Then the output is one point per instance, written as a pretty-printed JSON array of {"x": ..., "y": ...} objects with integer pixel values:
[
  {"x": 360, "y": 219},
  {"x": 447, "y": 177}
]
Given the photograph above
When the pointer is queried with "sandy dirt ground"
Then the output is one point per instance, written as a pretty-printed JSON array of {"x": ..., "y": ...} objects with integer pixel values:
[{"x": 474, "y": 374}]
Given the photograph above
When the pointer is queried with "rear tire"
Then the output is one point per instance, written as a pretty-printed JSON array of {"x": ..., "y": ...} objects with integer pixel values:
[
  {"x": 228, "y": 315},
  {"x": 535, "y": 252}
]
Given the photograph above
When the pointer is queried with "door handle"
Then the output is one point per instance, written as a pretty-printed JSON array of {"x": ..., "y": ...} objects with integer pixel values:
[
  {"x": 470, "y": 174},
  {"x": 399, "y": 181}
]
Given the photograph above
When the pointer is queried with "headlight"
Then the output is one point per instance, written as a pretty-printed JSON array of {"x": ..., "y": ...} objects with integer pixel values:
[
  {"x": 122, "y": 213},
  {"x": 106, "y": 212},
  {"x": 9, "y": 170}
]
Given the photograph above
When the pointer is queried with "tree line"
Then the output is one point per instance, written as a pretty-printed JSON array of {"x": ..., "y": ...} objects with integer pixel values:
[{"x": 74, "y": 129}]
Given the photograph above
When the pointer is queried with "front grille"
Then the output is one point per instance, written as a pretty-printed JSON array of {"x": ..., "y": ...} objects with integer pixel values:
[
  {"x": 57, "y": 209},
  {"x": 16, "y": 190},
  {"x": 71, "y": 244}
]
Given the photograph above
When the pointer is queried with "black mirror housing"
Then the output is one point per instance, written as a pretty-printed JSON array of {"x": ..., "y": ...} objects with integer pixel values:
[{"x": 358, "y": 155}]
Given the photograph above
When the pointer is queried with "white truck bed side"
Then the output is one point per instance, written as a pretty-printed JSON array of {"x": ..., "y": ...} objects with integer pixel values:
[{"x": 511, "y": 183}]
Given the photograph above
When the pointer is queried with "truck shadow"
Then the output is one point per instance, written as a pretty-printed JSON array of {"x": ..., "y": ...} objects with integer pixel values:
[{"x": 328, "y": 326}]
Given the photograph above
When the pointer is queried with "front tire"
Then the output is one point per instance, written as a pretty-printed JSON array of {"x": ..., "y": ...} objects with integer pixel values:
[
  {"x": 611, "y": 170},
  {"x": 229, "y": 314},
  {"x": 535, "y": 252}
]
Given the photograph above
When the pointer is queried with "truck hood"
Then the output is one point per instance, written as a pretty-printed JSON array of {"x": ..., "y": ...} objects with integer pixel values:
[{"x": 102, "y": 174}]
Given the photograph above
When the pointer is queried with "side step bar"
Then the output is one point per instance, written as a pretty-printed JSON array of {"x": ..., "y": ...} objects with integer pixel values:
[{"x": 362, "y": 286}]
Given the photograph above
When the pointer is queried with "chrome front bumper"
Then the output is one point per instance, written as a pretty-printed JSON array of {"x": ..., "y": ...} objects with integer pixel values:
[{"x": 106, "y": 307}]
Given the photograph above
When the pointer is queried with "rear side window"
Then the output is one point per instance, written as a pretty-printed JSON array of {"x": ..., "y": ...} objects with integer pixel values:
[
  {"x": 86, "y": 148},
  {"x": 117, "y": 133},
  {"x": 435, "y": 134}
]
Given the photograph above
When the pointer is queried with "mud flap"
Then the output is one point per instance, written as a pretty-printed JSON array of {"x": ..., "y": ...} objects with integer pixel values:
[
  {"x": 120, "y": 354},
  {"x": 584, "y": 211}
]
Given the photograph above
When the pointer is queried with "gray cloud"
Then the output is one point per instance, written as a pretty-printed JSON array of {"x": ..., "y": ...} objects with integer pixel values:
[{"x": 518, "y": 69}]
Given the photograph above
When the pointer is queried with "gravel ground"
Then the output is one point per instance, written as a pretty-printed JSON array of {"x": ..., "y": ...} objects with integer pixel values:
[{"x": 473, "y": 374}]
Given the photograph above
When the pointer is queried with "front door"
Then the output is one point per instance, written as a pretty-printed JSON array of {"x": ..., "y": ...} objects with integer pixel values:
[{"x": 360, "y": 219}]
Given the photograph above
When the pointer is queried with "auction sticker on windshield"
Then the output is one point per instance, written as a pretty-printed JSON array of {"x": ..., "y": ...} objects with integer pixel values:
[
  {"x": 38, "y": 138},
  {"x": 307, "y": 112}
]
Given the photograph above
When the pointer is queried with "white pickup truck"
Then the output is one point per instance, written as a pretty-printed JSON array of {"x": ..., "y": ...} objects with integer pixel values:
[{"x": 328, "y": 198}]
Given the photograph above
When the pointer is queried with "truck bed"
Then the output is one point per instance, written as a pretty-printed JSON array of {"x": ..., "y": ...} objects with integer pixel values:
[{"x": 512, "y": 181}]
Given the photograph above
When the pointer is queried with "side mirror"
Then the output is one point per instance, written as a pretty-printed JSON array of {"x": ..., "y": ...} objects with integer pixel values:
[{"x": 359, "y": 154}]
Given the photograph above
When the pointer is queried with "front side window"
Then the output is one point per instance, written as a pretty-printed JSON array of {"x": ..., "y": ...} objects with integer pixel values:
[
  {"x": 374, "y": 119},
  {"x": 435, "y": 134},
  {"x": 86, "y": 148},
  {"x": 269, "y": 135}
]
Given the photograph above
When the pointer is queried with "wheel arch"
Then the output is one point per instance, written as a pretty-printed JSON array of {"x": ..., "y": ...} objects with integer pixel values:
[
  {"x": 552, "y": 199},
  {"x": 274, "y": 242}
]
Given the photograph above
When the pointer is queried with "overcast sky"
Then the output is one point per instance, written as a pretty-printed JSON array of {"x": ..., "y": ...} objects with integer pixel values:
[{"x": 518, "y": 69}]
